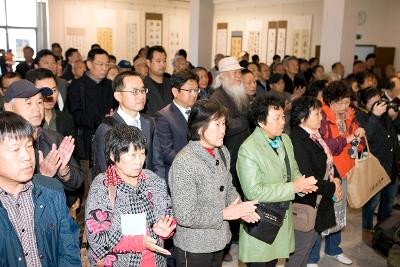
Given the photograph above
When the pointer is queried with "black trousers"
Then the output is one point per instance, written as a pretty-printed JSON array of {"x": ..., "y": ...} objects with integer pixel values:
[
  {"x": 262, "y": 264},
  {"x": 188, "y": 259}
]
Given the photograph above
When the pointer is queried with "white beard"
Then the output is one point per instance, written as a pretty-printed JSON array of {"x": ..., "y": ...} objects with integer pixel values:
[{"x": 237, "y": 93}]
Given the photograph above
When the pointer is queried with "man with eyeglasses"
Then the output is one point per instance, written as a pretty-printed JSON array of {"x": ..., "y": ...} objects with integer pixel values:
[
  {"x": 158, "y": 84},
  {"x": 131, "y": 96},
  {"x": 171, "y": 133},
  {"x": 90, "y": 100},
  {"x": 47, "y": 60}
]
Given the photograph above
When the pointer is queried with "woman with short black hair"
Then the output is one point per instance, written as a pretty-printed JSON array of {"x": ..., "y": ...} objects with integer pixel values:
[
  {"x": 203, "y": 196},
  {"x": 268, "y": 172},
  {"x": 128, "y": 192},
  {"x": 314, "y": 159}
]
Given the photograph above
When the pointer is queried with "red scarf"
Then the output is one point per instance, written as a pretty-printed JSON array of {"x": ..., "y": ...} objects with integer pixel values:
[{"x": 112, "y": 178}]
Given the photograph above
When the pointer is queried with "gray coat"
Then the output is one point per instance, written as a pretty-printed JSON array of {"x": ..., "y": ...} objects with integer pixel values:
[{"x": 201, "y": 187}]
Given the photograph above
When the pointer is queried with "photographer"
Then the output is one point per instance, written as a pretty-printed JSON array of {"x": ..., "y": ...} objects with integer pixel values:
[{"x": 380, "y": 121}]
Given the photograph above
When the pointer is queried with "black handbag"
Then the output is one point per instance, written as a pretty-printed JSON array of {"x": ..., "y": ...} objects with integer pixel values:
[{"x": 271, "y": 214}]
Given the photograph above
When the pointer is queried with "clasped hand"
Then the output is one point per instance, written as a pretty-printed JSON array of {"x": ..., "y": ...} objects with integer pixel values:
[
  {"x": 305, "y": 185},
  {"x": 241, "y": 210}
]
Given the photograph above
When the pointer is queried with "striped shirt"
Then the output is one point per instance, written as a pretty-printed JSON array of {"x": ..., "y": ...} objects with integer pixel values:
[{"x": 20, "y": 211}]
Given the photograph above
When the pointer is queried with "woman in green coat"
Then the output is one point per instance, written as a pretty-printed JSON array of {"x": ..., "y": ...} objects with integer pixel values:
[{"x": 263, "y": 176}]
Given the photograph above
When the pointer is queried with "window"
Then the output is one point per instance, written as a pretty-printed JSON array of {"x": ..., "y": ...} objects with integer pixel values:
[{"x": 18, "y": 26}]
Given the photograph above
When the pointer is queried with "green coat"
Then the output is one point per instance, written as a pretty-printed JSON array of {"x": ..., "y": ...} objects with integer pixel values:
[{"x": 262, "y": 175}]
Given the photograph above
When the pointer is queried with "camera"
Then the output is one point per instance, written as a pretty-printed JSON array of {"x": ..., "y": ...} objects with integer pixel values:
[
  {"x": 353, "y": 151},
  {"x": 393, "y": 105}
]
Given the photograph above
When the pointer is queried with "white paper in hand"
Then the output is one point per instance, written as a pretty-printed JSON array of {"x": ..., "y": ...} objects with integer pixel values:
[{"x": 133, "y": 224}]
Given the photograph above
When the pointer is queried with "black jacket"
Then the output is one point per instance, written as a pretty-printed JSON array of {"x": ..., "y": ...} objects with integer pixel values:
[
  {"x": 381, "y": 134},
  {"x": 65, "y": 124},
  {"x": 311, "y": 159},
  {"x": 156, "y": 98},
  {"x": 291, "y": 84},
  {"x": 237, "y": 131},
  {"x": 88, "y": 103}
]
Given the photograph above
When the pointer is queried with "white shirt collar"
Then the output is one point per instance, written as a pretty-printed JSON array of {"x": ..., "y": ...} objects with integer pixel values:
[
  {"x": 129, "y": 120},
  {"x": 182, "y": 110}
]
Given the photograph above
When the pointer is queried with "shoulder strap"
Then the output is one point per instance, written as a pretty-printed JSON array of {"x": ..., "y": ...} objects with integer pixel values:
[
  {"x": 222, "y": 155},
  {"x": 287, "y": 163},
  {"x": 112, "y": 193}
]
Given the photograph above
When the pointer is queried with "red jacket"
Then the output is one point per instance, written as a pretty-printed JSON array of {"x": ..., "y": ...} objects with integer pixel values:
[{"x": 337, "y": 142}]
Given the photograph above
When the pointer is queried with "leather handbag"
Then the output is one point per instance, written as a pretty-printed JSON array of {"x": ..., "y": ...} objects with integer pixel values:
[
  {"x": 304, "y": 215},
  {"x": 271, "y": 215}
]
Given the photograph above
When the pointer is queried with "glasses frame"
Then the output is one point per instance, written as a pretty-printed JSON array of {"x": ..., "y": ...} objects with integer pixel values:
[
  {"x": 136, "y": 91},
  {"x": 190, "y": 90}
]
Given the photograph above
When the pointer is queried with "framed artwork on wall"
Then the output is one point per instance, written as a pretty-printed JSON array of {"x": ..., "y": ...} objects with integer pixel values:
[
  {"x": 104, "y": 39},
  {"x": 236, "y": 43},
  {"x": 301, "y": 33},
  {"x": 75, "y": 37},
  {"x": 154, "y": 28},
  {"x": 222, "y": 38},
  {"x": 276, "y": 39}
]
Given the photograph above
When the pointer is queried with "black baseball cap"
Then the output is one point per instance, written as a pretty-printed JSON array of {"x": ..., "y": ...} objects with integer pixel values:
[{"x": 24, "y": 89}]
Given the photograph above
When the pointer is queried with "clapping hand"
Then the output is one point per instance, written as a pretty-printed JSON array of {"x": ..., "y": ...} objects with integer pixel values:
[
  {"x": 164, "y": 226},
  {"x": 49, "y": 165},
  {"x": 65, "y": 150}
]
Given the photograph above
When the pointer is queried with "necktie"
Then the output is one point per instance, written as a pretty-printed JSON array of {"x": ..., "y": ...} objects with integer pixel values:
[{"x": 187, "y": 112}]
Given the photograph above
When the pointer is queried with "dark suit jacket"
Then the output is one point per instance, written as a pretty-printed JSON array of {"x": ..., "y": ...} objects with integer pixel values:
[
  {"x": 156, "y": 99},
  {"x": 170, "y": 136},
  {"x": 147, "y": 125},
  {"x": 311, "y": 159}
]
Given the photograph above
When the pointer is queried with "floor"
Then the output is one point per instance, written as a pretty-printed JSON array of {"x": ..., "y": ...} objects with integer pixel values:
[{"x": 360, "y": 253}]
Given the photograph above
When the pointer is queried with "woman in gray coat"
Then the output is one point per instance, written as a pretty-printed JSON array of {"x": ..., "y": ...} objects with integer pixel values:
[{"x": 203, "y": 197}]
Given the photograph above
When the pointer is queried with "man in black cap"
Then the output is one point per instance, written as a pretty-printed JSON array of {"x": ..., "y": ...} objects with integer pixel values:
[{"x": 53, "y": 151}]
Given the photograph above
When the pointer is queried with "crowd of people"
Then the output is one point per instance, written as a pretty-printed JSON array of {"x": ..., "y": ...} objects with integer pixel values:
[{"x": 178, "y": 166}]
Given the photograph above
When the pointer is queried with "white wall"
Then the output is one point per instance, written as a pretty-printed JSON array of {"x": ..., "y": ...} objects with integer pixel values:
[
  {"x": 90, "y": 15},
  {"x": 382, "y": 25},
  {"x": 237, "y": 15}
]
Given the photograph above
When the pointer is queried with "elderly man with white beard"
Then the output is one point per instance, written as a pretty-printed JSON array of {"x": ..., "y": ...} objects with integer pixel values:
[{"x": 230, "y": 92}]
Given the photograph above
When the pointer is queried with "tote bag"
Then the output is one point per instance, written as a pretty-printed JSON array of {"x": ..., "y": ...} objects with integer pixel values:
[{"x": 365, "y": 179}]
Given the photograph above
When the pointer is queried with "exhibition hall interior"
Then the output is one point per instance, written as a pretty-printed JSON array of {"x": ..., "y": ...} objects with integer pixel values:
[{"x": 170, "y": 69}]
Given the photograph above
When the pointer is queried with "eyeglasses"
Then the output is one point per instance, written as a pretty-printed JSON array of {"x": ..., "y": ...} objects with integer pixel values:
[
  {"x": 191, "y": 90},
  {"x": 101, "y": 64},
  {"x": 136, "y": 91}
]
